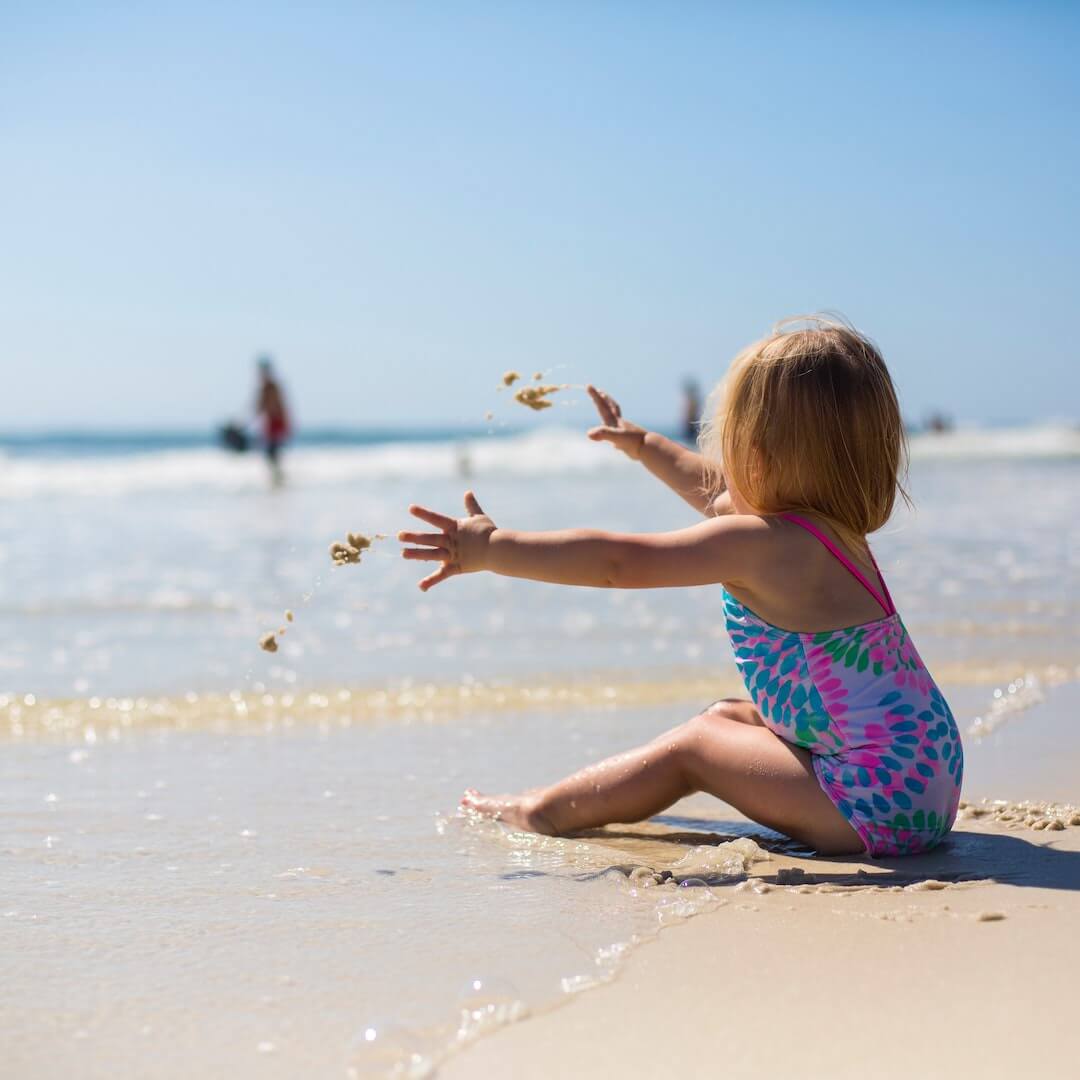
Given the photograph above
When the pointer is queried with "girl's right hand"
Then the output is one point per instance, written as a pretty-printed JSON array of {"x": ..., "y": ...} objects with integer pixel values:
[
  {"x": 460, "y": 545},
  {"x": 622, "y": 434}
]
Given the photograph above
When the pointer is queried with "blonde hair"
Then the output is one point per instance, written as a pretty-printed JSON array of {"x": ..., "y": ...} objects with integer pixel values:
[{"x": 807, "y": 421}]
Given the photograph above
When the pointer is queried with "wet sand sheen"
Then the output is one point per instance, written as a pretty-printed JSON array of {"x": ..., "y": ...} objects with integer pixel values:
[{"x": 29, "y": 717}]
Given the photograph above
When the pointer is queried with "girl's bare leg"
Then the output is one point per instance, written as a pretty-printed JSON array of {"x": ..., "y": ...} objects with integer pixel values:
[{"x": 726, "y": 751}]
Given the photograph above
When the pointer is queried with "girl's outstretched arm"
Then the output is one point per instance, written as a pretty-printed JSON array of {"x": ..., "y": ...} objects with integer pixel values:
[
  {"x": 722, "y": 549},
  {"x": 683, "y": 470}
]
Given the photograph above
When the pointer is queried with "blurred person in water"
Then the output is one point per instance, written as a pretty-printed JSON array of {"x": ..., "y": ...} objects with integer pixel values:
[
  {"x": 271, "y": 408},
  {"x": 844, "y": 741},
  {"x": 691, "y": 417}
]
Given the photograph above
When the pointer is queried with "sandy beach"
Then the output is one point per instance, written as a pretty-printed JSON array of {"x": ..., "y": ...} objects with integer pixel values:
[{"x": 959, "y": 963}]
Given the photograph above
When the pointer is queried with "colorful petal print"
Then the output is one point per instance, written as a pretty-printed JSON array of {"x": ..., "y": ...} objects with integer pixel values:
[{"x": 886, "y": 747}]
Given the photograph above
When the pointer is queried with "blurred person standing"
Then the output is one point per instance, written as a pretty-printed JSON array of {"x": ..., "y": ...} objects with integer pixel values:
[
  {"x": 270, "y": 406},
  {"x": 691, "y": 409}
]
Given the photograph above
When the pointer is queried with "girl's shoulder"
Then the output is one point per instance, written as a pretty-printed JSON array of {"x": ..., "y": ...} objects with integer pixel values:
[
  {"x": 765, "y": 544},
  {"x": 803, "y": 577}
]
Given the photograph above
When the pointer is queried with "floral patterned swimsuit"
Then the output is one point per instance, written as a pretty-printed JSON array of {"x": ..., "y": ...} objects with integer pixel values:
[{"x": 885, "y": 746}]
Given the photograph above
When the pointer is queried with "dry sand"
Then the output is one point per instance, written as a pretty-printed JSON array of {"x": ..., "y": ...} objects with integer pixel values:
[{"x": 958, "y": 963}]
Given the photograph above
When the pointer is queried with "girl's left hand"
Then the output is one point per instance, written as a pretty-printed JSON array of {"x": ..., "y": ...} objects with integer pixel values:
[
  {"x": 613, "y": 428},
  {"x": 461, "y": 546}
]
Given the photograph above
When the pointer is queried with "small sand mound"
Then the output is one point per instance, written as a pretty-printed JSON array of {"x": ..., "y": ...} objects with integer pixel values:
[
  {"x": 1028, "y": 813},
  {"x": 733, "y": 858}
]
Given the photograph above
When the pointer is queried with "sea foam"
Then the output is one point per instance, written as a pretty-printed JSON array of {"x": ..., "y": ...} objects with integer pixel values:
[{"x": 548, "y": 452}]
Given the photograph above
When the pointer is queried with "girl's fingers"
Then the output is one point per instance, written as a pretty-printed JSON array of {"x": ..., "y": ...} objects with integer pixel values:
[
  {"x": 440, "y": 521},
  {"x": 426, "y": 554},
  {"x": 471, "y": 505},
  {"x": 608, "y": 401},
  {"x": 430, "y": 539},
  {"x": 604, "y": 434},
  {"x": 441, "y": 574},
  {"x": 603, "y": 404}
]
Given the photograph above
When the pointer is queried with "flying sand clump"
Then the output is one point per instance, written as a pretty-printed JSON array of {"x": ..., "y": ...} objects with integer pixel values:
[
  {"x": 510, "y": 377},
  {"x": 268, "y": 642},
  {"x": 536, "y": 397},
  {"x": 343, "y": 552}
]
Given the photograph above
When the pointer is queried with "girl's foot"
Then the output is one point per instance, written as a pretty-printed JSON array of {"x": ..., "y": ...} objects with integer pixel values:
[{"x": 517, "y": 811}]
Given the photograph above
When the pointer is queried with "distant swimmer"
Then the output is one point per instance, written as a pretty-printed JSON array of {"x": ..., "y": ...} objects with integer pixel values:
[
  {"x": 938, "y": 423},
  {"x": 691, "y": 409},
  {"x": 270, "y": 406}
]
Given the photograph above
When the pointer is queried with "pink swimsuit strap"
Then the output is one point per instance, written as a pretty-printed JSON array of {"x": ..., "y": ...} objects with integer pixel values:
[{"x": 883, "y": 597}]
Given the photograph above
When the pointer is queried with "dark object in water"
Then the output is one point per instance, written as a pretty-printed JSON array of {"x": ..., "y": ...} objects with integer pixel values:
[{"x": 234, "y": 437}]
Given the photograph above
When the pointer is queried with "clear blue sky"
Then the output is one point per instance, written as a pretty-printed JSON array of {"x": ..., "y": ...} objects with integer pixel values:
[{"x": 401, "y": 200}]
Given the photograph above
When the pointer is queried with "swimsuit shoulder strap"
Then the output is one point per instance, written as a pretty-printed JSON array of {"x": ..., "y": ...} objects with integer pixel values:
[{"x": 883, "y": 597}]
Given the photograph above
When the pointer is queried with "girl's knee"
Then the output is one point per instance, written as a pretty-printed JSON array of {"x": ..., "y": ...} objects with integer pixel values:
[
  {"x": 716, "y": 717},
  {"x": 738, "y": 709},
  {"x": 695, "y": 746},
  {"x": 692, "y": 739},
  {"x": 675, "y": 749}
]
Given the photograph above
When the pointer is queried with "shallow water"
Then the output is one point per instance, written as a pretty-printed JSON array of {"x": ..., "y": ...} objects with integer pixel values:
[
  {"x": 294, "y": 890},
  {"x": 218, "y": 859}
]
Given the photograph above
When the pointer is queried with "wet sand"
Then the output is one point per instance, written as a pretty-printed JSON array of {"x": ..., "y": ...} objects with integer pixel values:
[
  {"x": 961, "y": 962},
  {"x": 220, "y": 864}
]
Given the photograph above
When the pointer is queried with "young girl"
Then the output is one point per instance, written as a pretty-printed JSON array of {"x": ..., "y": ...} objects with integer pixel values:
[{"x": 846, "y": 744}]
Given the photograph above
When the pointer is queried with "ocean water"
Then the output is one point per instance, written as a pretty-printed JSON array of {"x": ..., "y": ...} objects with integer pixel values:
[{"x": 218, "y": 860}]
